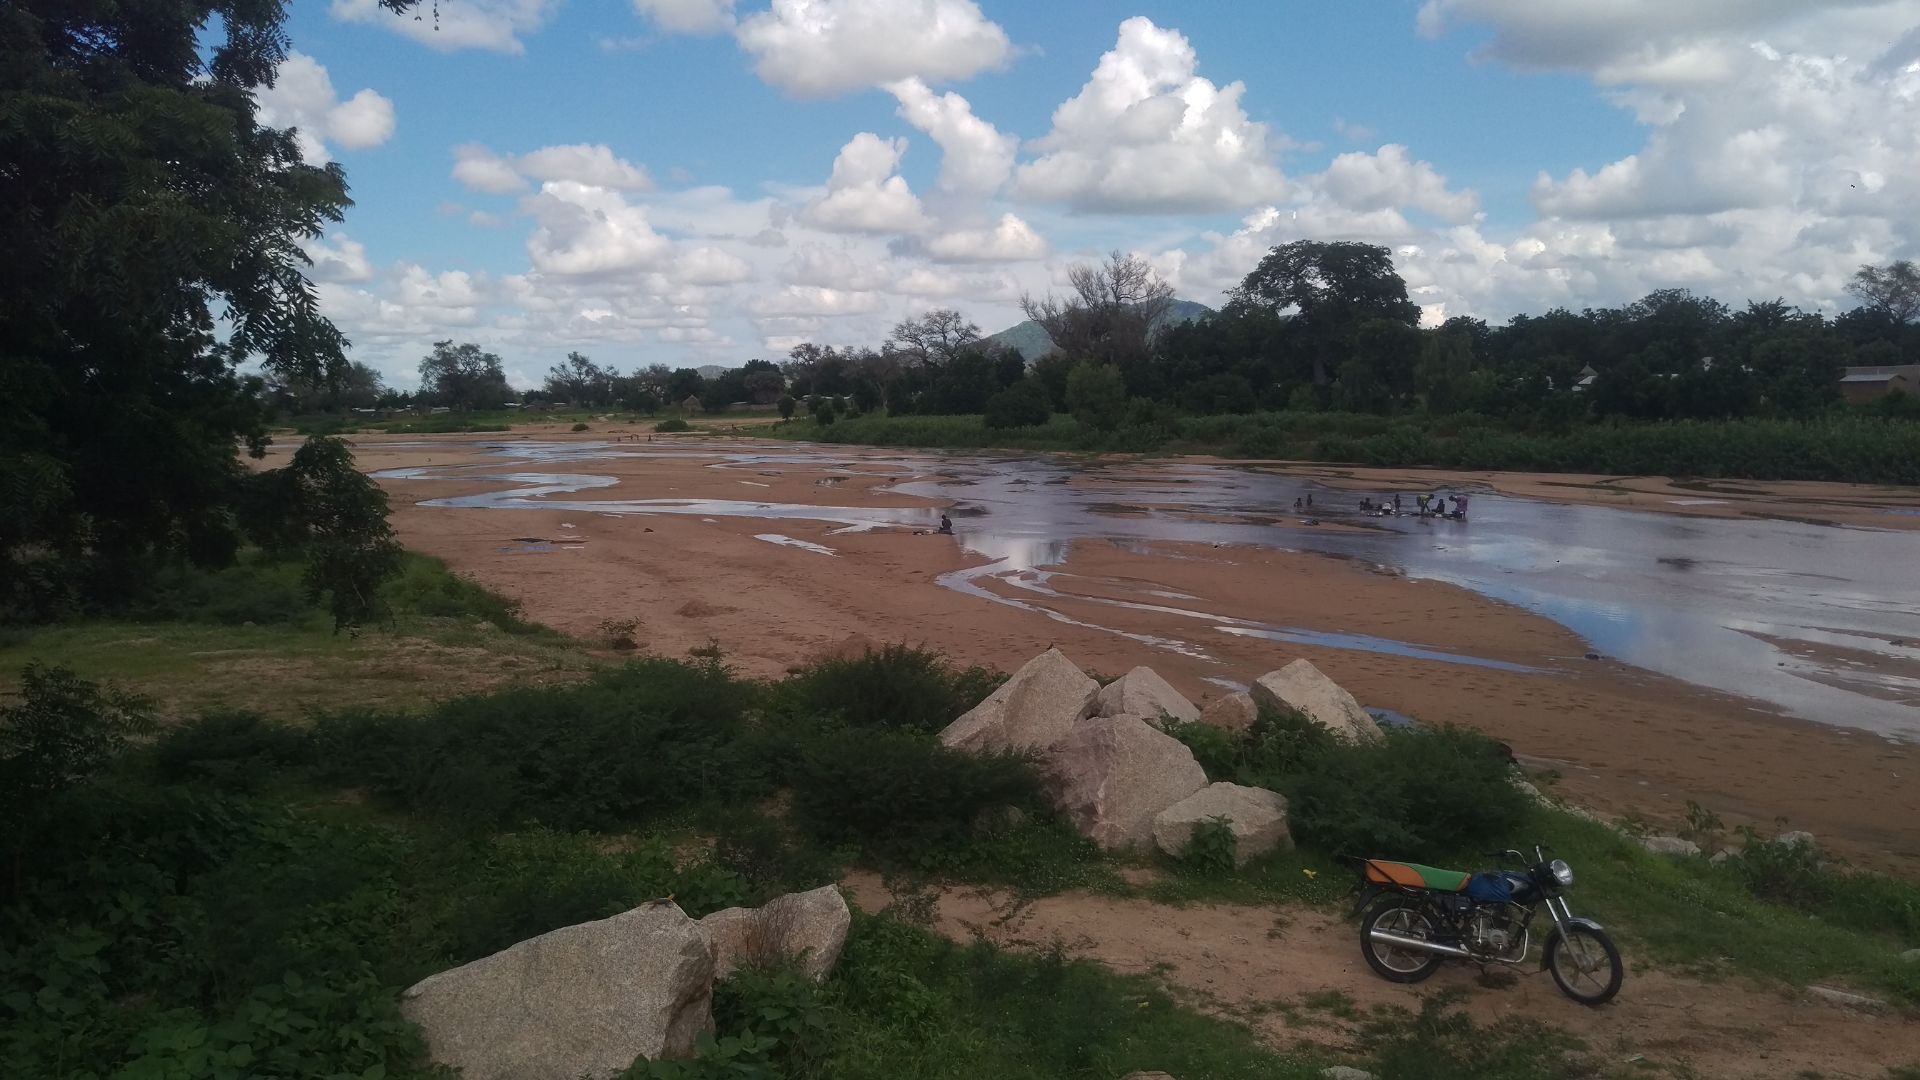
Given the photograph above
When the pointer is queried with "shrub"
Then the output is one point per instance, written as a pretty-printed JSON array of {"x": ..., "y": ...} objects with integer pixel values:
[
  {"x": 64, "y": 731},
  {"x": 672, "y": 425},
  {"x": 1212, "y": 848},
  {"x": 1096, "y": 395},
  {"x": 1418, "y": 794},
  {"x": 578, "y": 427},
  {"x": 896, "y": 686},
  {"x": 900, "y": 795},
  {"x": 1216, "y": 750},
  {"x": 786, "y": 405},
  {"x": 645, "y": 739},
  {"x": 425, "y": 586},
  {"x": 259, "y": 591},
  {"x": 231, "y": 749}
]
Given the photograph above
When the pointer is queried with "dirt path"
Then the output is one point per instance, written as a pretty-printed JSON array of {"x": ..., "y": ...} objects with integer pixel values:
[{"x": 1258, "y": 965}]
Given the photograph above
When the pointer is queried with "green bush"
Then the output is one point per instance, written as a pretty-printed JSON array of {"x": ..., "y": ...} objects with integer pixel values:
[
  {"x": 63, "y": 731},
  {"x": 425, "y": 586},
  {"x": 1416, "y": 795},
  {"x": 895, "y": 686},
  {"x": 628, "y": 744},
  {"x": 900, "y": 795},
  {"x": 230, "y": 749},
  {"x": 1024, "y": 404},
  {"x": 578, "y": 427},
  {"x": 1212, "y": 848},
  {"x": 672, "y": 426},
  {"x": 257, "y": 590}
]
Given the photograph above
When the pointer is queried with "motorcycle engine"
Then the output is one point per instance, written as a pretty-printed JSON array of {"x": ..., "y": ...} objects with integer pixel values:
[{"x": 1498, "y": 934}]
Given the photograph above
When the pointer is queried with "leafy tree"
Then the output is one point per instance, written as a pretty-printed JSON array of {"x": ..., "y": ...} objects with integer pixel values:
[
  {"x": 683, "y": 384},
  {"x": 354, "y": 386},
  {"x": 866, "y": 395},
  {"x": 1329, "y": 289},
  {"x": 144, "y": 211},
  {"x": 763, "y": 385},
  {"x": 579, "y": 380},
  {"x": 463, "y": 376},
  {"x": 1097, "y": 396},
  {"x": 1222, "y": 393},
  {"x": 320, "y": 506},
  {"x": 1446, "y": 365},
  {"x": 1892, "y": 290},
  {"x": 787, "y": 405},
  {"x": 1024, "y": 404},
  {"x": 641, "y": 401}
]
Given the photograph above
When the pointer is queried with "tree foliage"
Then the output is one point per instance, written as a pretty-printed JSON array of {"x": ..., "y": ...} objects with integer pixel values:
[
  {"x": 464, "y": 376},
  {"x": 1892, "y": 290},
  {"x": 1112, "y": 313}
]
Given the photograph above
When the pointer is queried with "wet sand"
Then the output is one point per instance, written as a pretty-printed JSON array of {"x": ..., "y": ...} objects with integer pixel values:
[{"x": 1623, "y": 739}]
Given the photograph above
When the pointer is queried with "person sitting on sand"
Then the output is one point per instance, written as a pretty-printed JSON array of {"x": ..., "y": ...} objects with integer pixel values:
[
  {"x": 946, "y": 525},
  {"x": 1298, "y": 505}
]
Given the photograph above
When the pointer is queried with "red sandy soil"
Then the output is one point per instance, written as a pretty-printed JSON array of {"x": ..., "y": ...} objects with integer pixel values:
[{"x": 1623, "y": 739}]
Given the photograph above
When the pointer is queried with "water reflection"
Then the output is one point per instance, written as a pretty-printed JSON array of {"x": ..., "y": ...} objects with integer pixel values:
[{"x": 1676, "y": 595}]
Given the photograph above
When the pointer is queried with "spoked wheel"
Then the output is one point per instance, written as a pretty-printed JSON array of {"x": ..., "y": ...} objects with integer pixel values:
[
  {"x": 1396, "y": 962},
  {"x": 1585, "y": 964}
]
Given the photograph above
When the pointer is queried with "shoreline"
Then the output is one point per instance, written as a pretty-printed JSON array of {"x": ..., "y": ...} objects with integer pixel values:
[{"x": 1623, "y": 739}]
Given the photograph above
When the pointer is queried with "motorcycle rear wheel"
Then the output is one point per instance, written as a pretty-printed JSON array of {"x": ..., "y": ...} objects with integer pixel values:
[
  {"x": 1585, "y": 964},
  {"x": 1391, "y": 962}
]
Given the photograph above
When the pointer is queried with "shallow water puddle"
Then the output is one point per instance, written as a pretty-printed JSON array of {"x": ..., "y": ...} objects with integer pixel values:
[
  {"x": 1671, "y": 594},
  {"x": 804, "y": 545}
]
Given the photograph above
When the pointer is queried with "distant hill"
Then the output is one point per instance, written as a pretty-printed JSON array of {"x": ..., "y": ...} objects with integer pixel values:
[{"x": 1034, "y": 343}]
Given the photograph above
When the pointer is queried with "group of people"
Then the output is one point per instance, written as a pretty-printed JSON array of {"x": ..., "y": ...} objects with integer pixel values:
[{"x": 1426, "y": 505}]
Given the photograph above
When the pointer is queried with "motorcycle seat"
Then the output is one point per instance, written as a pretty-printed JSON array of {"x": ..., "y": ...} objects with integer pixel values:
[{"x": 1415, "y": 876}]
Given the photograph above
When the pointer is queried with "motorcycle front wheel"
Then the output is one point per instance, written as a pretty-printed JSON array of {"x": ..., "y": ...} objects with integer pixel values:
[
  {"x": 1402, "y": 965},
  {"x": 1585, "y": 964}
]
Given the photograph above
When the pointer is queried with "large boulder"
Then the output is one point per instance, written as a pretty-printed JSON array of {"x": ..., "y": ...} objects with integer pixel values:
[
  {"x": 810, "y": 927},
  {"x": 579, "y": 1001},
  {"x": 1112, "y": 775},
  {"x": 1302, "y": 687},
  {"x": 1031, "y": 711},
  {"x": 1142, "y": 692},
  {"x": 1256, "y": 817},
  {"x": 1233, "y": 714},
  {"x": 1672, "y": 847}
]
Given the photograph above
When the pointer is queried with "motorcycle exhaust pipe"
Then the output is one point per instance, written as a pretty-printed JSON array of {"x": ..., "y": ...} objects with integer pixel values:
[{"x": 1401, "y": 941}]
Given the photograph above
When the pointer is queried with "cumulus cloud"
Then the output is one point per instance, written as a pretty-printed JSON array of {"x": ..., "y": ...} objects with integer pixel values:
[
  {"x": 1011, "y": 240},
  {"x": 820, "y": 48},
  {"x": 1586, "y": 35},
  {"x": 302, "y": 97},
  {"x": 864, "y": 194},
  {"x": 480, "y": 169},
  {"x": 1390, "y": 178},
  {"x": 687, "y": 16},
  {"x": 975, "y": 157},
  {"x": 711, "y": 266},
  {"x": 1148, "y": 134},
  {"x": 814, "y": 300},
  {"x": 586, "y": 231},
  {"x": 495, "y": 25},
  {"x": 591, "y": 164},
  {"x": 338, "y": 258}
]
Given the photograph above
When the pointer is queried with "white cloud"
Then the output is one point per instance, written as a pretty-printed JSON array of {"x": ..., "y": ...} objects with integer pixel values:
[
  {"x": 864, "y": 194},
  {"x": 1011, "y": 240},
  {"x": 1584, "y": 34},
  {"x": 495, "y": 25},
  {"x": 302, "y": 97},
  {"x": 480, "y": 169},
  {"x": 338, "y": 258},
  {"x": 836, "y": 268},
  {"x": 587, "y": 231},
  {"x": 687, "y": 16},
  {"x": 711, "y": 266},
  {"x": 820, "y": 48},
  {"x": 591, "y": 164},
  {"x": 1148, "y": 135},
  {"x": 975, "y": 157},
  {"x": 1390, "y": 178},
  {"x": 814, "y": 300}
]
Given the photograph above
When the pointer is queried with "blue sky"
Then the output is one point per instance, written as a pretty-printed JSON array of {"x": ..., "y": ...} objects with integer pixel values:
[{"x": 1516, "y": 155}]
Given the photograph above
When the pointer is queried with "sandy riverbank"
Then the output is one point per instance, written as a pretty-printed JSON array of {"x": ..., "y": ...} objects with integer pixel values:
[{"x": 1624, "y": 740}]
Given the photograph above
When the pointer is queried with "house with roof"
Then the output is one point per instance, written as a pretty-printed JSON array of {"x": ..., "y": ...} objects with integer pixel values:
[{"x": 1858, "y": 384}]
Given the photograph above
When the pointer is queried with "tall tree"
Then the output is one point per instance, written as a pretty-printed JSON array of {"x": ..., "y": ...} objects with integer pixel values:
[
  {"x": 463, "y": 376},
  {"x": 1112, "y": 314},
  {"x": 1330, "y": 290},
  {"x": 933, "y": 339},
  {"x": 140, "y": 197},
  {"x": 1893, "y": 290},
  {"x": 581, "y": 381}
]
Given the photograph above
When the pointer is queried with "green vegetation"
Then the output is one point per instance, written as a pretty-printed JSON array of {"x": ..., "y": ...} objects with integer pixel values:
[{"x": 673, "y": 426}]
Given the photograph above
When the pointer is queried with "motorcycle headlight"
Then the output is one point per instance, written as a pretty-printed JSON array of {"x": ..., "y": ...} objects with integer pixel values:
[{"x": 1562, "y": 873}]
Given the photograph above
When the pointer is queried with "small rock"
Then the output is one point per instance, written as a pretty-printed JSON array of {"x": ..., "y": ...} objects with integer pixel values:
[
  {"x": 809, "y": 926},
  {"x": 1034, "y": 709},
  {"x": 1142, "y": 692},
  {"x": 1593, "y": 656},
  {"x": 1845, "y": 1000},
  {"x": 1256, "y": 817},
  {"x": 1303, "y": 687},
  {"x": 1346, "y": 1072},
  {"x": 1671, "y": 846},
  {"x": 1911, "y": 956},
  {"x": 1233, "y": 713},
  {"x": 1719, "y": 857},
  {"x": 1793, "y": 839}
]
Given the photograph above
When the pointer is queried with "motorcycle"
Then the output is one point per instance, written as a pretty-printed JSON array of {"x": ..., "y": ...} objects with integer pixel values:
[{"x": 1418, "y": 917}]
